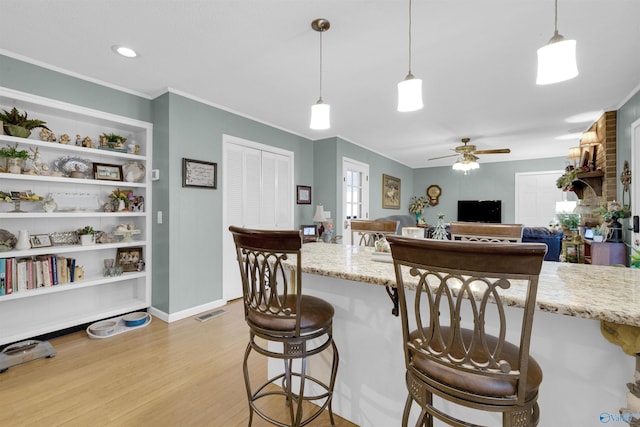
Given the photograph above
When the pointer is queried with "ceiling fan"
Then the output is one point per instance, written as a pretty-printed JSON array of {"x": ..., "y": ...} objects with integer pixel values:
[{"x": 469, "y": 152}]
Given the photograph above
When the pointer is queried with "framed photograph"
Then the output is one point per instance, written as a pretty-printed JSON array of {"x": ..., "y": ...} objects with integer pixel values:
[
  {"x": 303, "y": 194},
  {"x": 107, "y": 172},
  {"x": 199, "y": 174},
  {"x": 129, "y": 258},
  {"x": 390, "y": 192},
  {"x": 40, "y": 241}
]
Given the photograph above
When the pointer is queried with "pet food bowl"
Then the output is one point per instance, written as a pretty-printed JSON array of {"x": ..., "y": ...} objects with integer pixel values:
[
  {"x": 103, "y": 329},
  {"x": 134, "y": 319}
]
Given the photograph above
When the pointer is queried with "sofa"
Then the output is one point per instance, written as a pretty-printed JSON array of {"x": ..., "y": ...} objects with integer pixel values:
[{"x": 553, "y": 240}]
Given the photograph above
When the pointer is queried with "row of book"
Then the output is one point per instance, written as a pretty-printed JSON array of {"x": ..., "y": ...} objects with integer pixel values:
[{"x": 21, "y": 274}]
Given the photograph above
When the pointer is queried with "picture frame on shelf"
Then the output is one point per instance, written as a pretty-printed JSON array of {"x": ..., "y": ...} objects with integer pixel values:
[
  {"x": 199, "y": 174},
  {"x": 303, "y": 194},
  {"x": 107, "y": 172},
  {"x": 40, "y": 241},
  {"x": 129, "y": 258},
  {"x": 390, "y": 192}
]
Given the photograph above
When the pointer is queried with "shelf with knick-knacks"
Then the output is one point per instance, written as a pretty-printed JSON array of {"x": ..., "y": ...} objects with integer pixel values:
[{"x": 74, "y": 177}]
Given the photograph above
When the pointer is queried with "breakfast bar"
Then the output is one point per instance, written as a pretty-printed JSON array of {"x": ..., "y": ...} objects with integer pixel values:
[{"x": 584, "y": 374}]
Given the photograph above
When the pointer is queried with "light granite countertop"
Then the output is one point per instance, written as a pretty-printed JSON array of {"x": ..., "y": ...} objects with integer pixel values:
[{"x": 579, "y": 290}]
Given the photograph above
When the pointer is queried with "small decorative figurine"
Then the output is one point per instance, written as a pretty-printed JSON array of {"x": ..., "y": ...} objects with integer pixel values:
[
  {"x": 64, "y": 138},
  {"x": 47, "y": 135},
  {"x": 87, "y": 142},
  {"x": 78, "y": 140}
]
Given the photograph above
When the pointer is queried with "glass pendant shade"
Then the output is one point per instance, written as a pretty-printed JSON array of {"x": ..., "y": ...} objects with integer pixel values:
[
  {"x": 410, "y": 94},
  {"x": 320, "y": 115},
  {"x": 557, "y": 61}
]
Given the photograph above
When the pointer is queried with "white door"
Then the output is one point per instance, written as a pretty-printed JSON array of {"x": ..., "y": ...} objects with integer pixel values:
[
  {"x": 536, "y": 197},
  {"x": 635, "y": 179},
  {"x": 257, "y": 193},
  {"x": 355, "y": 194}
]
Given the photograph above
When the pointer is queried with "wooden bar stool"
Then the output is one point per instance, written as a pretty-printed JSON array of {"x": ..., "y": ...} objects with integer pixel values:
[
  {"x": 483, "y": 232},
  {"x": 290, "y": 326},
  {"x": 366, "y": 232},
  {"x": 472, "y": 364}
]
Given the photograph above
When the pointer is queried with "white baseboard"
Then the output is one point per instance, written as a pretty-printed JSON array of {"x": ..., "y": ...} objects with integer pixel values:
[{"x": 172, "y": 317}]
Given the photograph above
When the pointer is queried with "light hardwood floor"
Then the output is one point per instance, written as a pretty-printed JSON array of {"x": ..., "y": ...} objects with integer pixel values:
[{"x": 186, "y": 373}]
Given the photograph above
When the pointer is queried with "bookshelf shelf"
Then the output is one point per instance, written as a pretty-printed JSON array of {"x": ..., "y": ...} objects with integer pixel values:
[{"x": 30, "y": 312}]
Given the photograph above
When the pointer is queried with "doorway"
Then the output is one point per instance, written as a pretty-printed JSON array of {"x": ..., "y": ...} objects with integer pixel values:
[
  {"x": 257, "y": 193},
  {"x": 355, "y": 194},
  {"x": 536, "y": 197}
]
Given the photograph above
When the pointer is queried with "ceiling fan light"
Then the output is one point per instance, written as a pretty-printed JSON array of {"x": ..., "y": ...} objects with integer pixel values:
[
  {"x": 557, "y": 61},
  {"x": 320, "y": 116},
  {"x": 410, "y": 94}
]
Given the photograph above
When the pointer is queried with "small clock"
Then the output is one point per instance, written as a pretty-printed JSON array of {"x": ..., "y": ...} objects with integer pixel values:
[{"x": 434, "y": 192}]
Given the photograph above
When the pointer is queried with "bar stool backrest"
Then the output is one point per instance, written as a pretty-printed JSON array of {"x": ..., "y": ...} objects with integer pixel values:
[
  {"x": 483, "y": 232},
  {"x": 449, "y": 275},
  {"x": 267, "y": 286},
  {"x": 367, "y": 232}
]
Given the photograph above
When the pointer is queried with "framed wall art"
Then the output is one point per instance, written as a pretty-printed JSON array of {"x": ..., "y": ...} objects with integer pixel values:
[
  {"x": 107, "y": 172},
  {"x": 40, "y": 241},
  {"x": 199, "y": 174},
  {"x": 129, "y": 258},
  {"x": 390, "y": 192},
  {"x": 303, "y": 194}
]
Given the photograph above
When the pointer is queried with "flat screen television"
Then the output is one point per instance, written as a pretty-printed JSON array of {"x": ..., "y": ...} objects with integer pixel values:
[{"x": 480, "y": 211}]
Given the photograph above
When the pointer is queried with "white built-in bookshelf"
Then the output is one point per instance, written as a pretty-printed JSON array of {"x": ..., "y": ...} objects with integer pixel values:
[{"x": 28, "y": 313}]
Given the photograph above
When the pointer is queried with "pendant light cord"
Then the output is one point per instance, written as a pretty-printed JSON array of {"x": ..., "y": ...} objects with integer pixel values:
[
  {"x": 321, "y": 65},
  {"x": 556, "y": 14},
  {"x": 410, "y": 37}
]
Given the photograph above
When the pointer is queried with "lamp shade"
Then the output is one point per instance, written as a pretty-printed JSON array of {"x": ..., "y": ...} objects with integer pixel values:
[
  {"x": 589, "y": 137},
  {"x": 410, "y": 94},
  {"x": 319, "y": 216},
  {"x": 320, "y": 115},
  {"x": 557, "y": 61},
  {"x": 575, "y": 153}
]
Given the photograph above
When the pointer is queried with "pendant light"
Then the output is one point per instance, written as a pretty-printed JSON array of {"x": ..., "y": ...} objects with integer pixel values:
[
  {"x": 320, "y": 112},
  {"x": 410, "y": 89},
  {"x": 557, "y": 60}
]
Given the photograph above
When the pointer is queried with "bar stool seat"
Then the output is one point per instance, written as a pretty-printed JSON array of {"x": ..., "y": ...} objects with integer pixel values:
[
  {"x": 292, "y": 327},
  {"x": 474, "y": 382},
  {"x": 315, "y": 313}
]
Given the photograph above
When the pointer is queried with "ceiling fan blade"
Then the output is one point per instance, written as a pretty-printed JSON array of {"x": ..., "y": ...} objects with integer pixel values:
[
  {"x": 497, "y": 151},
  {"x": 443, "y": 157}
]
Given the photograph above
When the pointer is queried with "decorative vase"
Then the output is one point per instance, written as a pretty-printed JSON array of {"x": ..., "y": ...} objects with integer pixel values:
[
  {"x": 49, "y": 205},
  {"x": 14, "y": 165},
  {"x": 418, "y": 216},
  {"x": 87, "y": 239},
  {"x": 23, "y": 241},
  {"x": 121, "y": 206},
  {"x": 19, "y": 131}
]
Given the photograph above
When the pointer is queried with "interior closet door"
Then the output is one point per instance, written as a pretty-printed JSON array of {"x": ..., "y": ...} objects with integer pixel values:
[{"x": 258, "y": 193}]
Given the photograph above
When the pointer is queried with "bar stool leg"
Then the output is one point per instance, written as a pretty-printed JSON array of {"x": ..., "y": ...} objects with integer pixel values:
[{"x": 247, "y": 383}]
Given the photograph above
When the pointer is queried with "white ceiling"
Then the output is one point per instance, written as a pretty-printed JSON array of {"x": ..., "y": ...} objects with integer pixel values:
[{"x": 477, "y": 60}]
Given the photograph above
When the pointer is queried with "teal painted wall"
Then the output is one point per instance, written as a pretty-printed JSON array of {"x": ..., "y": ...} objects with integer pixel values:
[
  {"x": 491, "y": 181},
  {"x": 195, "y": 215},
  {"x": 160, "y": 295},
  {"x": 627, "y": 114},
  {"x": 40, "y": 81}
]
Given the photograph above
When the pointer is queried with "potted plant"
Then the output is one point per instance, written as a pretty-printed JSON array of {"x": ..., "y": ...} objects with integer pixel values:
[
  {"x": 598, "y": 234},
  {"x": 18, "y": 124},
  {"x": 15, "y": 158},
  {"x": 87, "y": 235}
]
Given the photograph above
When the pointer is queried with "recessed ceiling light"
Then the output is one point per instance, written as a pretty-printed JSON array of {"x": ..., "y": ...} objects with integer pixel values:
[{"x": 124, "y": 51}]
